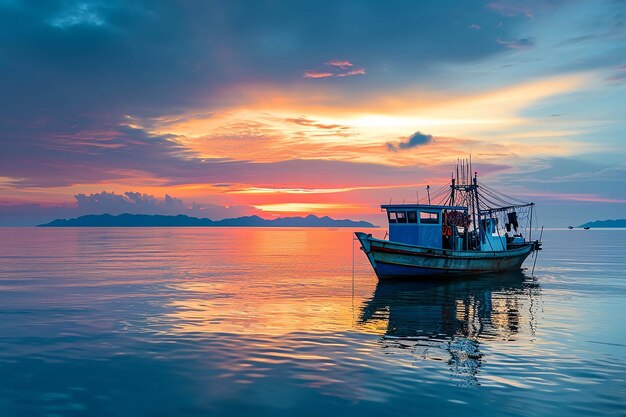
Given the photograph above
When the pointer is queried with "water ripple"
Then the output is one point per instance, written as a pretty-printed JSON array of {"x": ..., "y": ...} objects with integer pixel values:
[{"x": 239, "y": 322}]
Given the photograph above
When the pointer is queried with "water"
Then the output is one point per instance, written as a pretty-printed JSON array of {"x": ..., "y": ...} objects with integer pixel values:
[{"x": 239, "y": 322}]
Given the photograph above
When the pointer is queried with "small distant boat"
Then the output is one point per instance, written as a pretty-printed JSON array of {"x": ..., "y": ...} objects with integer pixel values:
[
  {"x": 570, "y": 227},
  {"x": 460, "y": 234},
  {"x": 586, "y": 227}
]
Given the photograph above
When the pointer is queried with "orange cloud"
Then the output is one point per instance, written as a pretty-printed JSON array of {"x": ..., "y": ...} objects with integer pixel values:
[
  {"x": 283, "y": 123},
  {"x": 316, "y": 74},
  {"x": 278, "y": 125}
]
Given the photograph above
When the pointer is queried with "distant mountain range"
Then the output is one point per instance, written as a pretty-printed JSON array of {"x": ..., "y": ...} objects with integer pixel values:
[
  {"x": 605, "y": 223},
  {"x": 147, "y": 220}
]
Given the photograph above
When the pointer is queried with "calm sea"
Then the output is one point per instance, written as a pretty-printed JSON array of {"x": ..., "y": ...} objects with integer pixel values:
[{"x": 253, "y": 322}]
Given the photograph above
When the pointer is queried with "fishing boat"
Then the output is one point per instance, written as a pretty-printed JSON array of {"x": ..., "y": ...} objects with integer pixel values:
[{"x": 469, "y": 229}]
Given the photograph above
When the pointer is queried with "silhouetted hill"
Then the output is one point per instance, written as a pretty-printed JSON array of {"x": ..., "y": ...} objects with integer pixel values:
[
  {"x": 148, "y": 220},
  {"x": 605, "y": 223}
]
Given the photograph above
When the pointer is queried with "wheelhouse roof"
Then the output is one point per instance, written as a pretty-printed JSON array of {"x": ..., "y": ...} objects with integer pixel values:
[{"x": 420, "y": 206}]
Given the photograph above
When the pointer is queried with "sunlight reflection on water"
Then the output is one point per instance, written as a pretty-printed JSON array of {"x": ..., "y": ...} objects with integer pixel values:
[{"x": 239, "y": 321}]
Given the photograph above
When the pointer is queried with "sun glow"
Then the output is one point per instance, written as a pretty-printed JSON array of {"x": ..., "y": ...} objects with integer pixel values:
[
  {"x": 278, "y": 124},
  {"x": 307, "y": 207}
]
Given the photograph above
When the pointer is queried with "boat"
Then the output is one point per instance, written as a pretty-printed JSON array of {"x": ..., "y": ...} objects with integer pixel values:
[
  {"x": 570, "y": 227},
  {"x": 586, "y": 227},
  {"x": 470, "y": 229}
]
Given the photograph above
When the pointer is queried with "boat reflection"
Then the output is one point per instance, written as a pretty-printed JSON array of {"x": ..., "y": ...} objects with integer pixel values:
[{"x": 447, "y": 320}]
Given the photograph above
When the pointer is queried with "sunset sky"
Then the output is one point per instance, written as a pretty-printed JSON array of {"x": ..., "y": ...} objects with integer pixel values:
[{"x": 282, "y": 108}]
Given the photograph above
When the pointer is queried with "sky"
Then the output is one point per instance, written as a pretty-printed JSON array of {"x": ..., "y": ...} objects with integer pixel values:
[{"x": 281, "y": 108}]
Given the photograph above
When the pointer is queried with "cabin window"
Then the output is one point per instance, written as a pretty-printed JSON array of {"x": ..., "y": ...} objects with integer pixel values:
[
  {"x": 401, "y": 216},
  {"x": 427, "y": 217},
  {"x": 411, "y": 216},
  {"x": 392, "y": 216}
]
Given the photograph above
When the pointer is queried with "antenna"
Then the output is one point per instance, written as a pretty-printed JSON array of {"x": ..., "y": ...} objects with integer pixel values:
[{"x": 463, "y": 171}]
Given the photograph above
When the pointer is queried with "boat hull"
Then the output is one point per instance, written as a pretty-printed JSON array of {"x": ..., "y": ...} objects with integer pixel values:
[{"x": 392, "y": 260}]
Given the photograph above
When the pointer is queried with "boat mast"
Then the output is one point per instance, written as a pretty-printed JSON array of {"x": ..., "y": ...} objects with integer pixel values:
[
  {"x": 477, "y": 211},
  {"x": 482, "y": 200},
  {"x": 530, "y": 233},
  {"x": 452, "y": 192}
]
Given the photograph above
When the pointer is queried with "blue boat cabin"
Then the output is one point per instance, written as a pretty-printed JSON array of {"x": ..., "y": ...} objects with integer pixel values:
[{"x": 418, "y": 224}]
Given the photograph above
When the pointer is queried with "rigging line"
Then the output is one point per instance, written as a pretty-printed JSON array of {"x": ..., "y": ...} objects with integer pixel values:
[
  {"x": 441, "y": 200},
  {"x": 443, "y": 188},
  {"x": 438, "y": 194},
  {"x": 493, "y": 194},
  {"x": 518, "y": 200},
  {"x": 484, "y": 196},
  {"x": 504, "y": 194},
  {"x": 493, "y": 191},
  {"x": 482, "y": 204},
  {"x": 503, "y": 204},
  {"x": 497, "y": 197},
  {"x": 438, "y": 199},
  {"x": 499, "y": 193},
  {"x": 488, "y": 203}
]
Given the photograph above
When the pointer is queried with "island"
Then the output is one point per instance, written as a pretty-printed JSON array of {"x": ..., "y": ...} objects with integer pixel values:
[
  {"x": 181, "y": 220},
  {"x": 605, "y": 223}
]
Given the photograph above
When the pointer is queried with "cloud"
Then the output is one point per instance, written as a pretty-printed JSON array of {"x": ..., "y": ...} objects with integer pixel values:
[
  {"x": 81, "y": 14},
  {"x": 619, "y": 75},
  {"x": 139, "y": 203},
  {"x": 52, "y": 153},
  {"x": 317, "y": 74},
  {"x": 109, "y": 153},
  {"x": 416, "y": 139},
  {"x": 568, "y": 190},
  {"x": 358, "y": 71},
  {"x": 524, "y": 43},
  {"x": 73, "y": 71},
  {"x": 129, "y": 202},
  {"x": 30, "y": 214},
  {"x": 509, "y": 9},
  {"x": 304, "y": 121},
  {"x": 54, "y": 51},
  {"x": 568, "y": 178},
  {"x": 340, "y": 69},
  {"x": 341, "y": 64}
]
